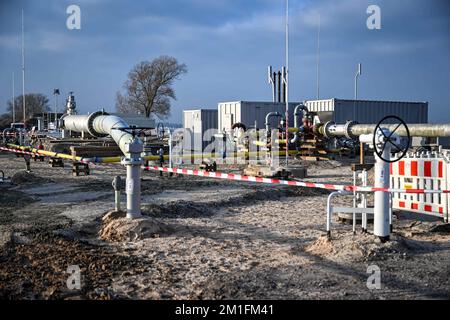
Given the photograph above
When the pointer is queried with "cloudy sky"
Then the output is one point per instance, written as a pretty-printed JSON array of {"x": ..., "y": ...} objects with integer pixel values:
[{"x": 227, "y": 45}]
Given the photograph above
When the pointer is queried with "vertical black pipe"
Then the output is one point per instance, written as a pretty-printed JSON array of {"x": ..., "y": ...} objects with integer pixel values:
[
  {"x": 284, "y": 86},
  {"x": 274, "y": 87}
]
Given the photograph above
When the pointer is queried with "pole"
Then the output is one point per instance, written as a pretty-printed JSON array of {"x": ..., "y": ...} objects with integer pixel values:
[
  {"x": 318, "y": 61},
  {"x": 286, "y": 79},
  {"x": 23, "y": 70},
  {"x": 56, "y": 106},
  {"x": 358, "y": 73},
  {"x": 13, "y": 100}
]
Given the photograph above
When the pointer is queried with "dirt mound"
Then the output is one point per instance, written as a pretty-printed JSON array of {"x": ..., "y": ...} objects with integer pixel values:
[
  {"x": 321, "y": 246},
  {"x": 363, "y": 247},
  {"x": 117, "y": 228},
  {"x": 24, "y": 177}
]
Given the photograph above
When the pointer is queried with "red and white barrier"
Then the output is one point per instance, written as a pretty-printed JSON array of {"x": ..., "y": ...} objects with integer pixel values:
[
  {"x": 428, "y": 172},
  {"x": 238, "y": 177},
  {"x": 42, "y": 155}
]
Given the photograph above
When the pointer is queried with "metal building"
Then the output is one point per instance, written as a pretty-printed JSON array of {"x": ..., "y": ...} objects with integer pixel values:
[
  {"x": 138, "y": 120},
  {"x": 250, "y": 113},
  {"x": 367, "y": 111},
  {"x": 197, "y": 124}
]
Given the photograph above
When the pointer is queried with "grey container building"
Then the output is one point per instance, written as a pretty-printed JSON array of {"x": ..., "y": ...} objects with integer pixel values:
[
  {"x": 249, "y": 112},
  {"x": 138, "y": 120},
  {"x": 198, "y": 124},
  {"x": 367, "y": 111}
]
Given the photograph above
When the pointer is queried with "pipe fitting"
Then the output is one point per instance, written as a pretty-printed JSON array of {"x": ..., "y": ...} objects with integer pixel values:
[
  {"x": 90, "y": 124},
  {"x": 348, "y": 128},
  {"x": 300, "y": 107},
  {"x": 327, "y": 128},
  {"x": 271, "y": 114},
  {"x": 117, "y": 183}
]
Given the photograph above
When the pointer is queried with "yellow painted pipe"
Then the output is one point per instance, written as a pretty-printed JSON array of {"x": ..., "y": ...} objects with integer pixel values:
[
  {"x": 260, "y": 143},
  {"x": 149, "y": 158},
  {"x": 46, "y": 153}
]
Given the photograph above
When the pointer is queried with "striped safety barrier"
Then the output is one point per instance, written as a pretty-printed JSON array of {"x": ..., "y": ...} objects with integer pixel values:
[
  {"x": 434, "y": 192},
  {"x": 42, "y": 155},
  {"x": 421, "y": 172},
  {"x": 238, "y": 177}
]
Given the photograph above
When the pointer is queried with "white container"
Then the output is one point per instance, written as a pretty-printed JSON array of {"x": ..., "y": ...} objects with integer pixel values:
[{"x": 198, "y": 124}]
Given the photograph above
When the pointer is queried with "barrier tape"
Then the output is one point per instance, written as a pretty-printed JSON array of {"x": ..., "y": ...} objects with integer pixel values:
[
  {"x": 238, "y": 177},
  {"x": 42, "y": 155}
]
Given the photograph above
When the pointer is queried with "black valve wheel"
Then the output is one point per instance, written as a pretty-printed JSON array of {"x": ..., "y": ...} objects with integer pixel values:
[{"x": 397, "y": 125}]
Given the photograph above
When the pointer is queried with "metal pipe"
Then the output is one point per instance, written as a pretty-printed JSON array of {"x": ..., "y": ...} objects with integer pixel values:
[
  {"x": 98, "y": 125},
  {"x": 300, "y": 107},
  {"x": 47, "y": 153},
  {"x": 381, "y": 225},
  {"x": 271, "y": 114},
  {"x": 330, "y": 208},
  {"x": 271, "y": 80},
  {"x": 354, "y": 130},
  {"x": 117, "y": 185},
  {"x": 284, "y": 84},
  {"x": 279, "y": 86},
  {"x": 364, "y": 200}
]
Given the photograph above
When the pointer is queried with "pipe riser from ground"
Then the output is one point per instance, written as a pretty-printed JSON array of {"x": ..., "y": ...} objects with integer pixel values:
[
  {"x": 381, "y": 227},
  {"x": 133, "y": 191}
]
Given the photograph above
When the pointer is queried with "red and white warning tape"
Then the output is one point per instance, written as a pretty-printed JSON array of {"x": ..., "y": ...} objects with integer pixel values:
[
  {"x": 19, "y": 151},
  {"x": 41, "y": 155},
  {"x": 238, "y": 177}
]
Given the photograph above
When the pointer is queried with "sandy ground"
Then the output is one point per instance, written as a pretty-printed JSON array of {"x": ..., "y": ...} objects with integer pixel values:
[{"x": 203, "y": 239}]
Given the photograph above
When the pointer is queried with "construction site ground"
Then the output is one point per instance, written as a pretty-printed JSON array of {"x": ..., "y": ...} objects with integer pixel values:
[{"x": 203, "y": 238}]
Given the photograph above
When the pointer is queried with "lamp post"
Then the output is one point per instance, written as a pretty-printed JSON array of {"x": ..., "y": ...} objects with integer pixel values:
[
  {"x": 13, "y": 100},
  {"x": 358, "y": 73},
  {"x": 56, "y": 94},
  {"x": 286, "y": 81}
]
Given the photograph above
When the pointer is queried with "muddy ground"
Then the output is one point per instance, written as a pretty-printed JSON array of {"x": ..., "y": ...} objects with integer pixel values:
[{"x": 203, "y": 239}]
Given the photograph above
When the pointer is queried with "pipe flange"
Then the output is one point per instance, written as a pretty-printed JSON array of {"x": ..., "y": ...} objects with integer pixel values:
[
  {"x": 61, "y": 121},
  {"x": 90, "y": 124},
  {"x": 347, "y": 128},
  {"x": 132, "y": 161},
  {"x": 316, "y": 129},
  {"x": 326, "y": 128}
]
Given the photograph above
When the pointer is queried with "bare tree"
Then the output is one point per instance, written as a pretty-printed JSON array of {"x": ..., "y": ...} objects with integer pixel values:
[
  {"x": 148, "y": 89},
  {"x": 35, "y": 103}
]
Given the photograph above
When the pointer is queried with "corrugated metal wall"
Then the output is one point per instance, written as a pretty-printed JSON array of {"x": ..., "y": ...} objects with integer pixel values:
[
  {"x": 370, "y": 111},
  {"x": 248, "y": 112}
]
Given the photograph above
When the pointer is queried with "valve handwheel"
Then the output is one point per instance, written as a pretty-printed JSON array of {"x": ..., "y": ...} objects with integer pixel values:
[{"x": 389, "y": 137}]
